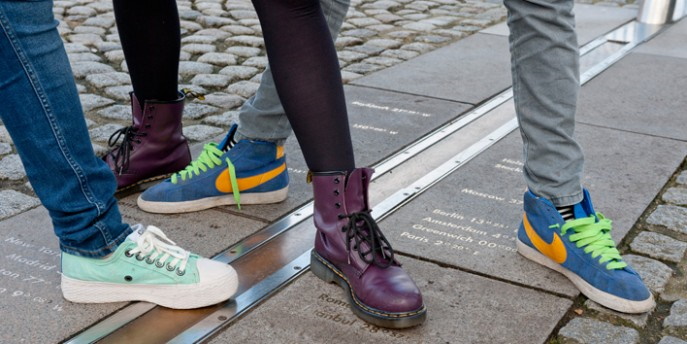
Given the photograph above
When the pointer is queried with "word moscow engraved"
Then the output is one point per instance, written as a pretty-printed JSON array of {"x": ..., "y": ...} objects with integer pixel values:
[
  {"x": 331, "y": 313},
  {"x": 390, "y": 109},
  {"x": 490, "y": 197}
]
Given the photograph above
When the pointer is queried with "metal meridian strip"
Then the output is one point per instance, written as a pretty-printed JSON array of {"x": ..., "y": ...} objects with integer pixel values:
[{"x": 244, "y": 302}]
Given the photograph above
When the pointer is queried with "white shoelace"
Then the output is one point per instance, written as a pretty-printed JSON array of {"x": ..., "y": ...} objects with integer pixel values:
[{"x": 153, "y": 243}]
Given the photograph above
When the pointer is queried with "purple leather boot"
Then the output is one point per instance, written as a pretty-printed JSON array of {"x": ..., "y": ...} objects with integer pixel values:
[
  {"x": 153, "y": 147},
  {"x": 351, "y": 250}
]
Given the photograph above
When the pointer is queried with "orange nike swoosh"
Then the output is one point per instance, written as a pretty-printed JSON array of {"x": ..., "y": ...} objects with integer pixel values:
[
  {"x": 223, "y": 184},
  {"x": 555, "y": 250}
]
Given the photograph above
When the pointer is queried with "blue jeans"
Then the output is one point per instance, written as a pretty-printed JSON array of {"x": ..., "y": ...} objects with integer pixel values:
[
  {"x": 42, "y": 112},
  {"x": 262, "y": 117}
]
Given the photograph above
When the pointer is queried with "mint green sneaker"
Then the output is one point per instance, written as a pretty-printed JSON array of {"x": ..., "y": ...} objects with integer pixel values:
[{"x": 149, "y": 267}]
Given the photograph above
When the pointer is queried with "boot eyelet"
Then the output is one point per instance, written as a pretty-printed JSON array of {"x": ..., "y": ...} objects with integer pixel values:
[
  {"x": 341, "y": 216},
  {"x": 139, "y": 257},
  {"x": 337, "y": 205},
  {"x": 160, "y": 264},
  {"x": 138, "y": 141},
  {"x": 149, "y": 261},
  {"x": 343, "y": 229},
  {"x": 336, "y": 192},
  {"x": 128, "y": 253},
  {"x": 170, "y": 268},
  {"x": 336, "y": 181},
  {"x": 181, "y": 272}
]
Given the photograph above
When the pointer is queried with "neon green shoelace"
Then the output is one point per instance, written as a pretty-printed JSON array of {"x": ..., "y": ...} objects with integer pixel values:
[
  {"x": 209, "y": 158},
  {"x": 596, "y": 239}
]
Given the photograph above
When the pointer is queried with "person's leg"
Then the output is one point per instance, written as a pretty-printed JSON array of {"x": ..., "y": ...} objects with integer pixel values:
[
  {"x": 545, "y": 68},
  {"x": 43, "y": 115},
  {"x": 103, "y": 259},
  {"x": 255, "y": 148},
  {"x": 262, "y": 116},
  {"x": 348, "y": 241},
  {"x": 154, "y": 145},
  {"x": 560, "y": 228}
]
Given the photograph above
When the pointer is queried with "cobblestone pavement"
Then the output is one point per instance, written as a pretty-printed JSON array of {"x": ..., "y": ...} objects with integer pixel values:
[{"x": 223, "y": 56}]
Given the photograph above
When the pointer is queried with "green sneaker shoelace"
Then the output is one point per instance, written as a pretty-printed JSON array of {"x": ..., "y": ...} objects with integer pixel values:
[
  {"x": 595, "y": 237},
  {"x": 209, "y": 158}
]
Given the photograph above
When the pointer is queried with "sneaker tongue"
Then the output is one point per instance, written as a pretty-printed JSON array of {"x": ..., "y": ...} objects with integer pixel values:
[
  {"x": 138, "y": 230},
  {"x": 579, "y": 211}
]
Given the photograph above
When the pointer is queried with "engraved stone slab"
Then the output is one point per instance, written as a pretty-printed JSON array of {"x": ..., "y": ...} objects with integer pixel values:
[
  {"x": 462, "y": 308},
  {"x": 30, "y": 284},
  {"x": 659, "y": 112},
  {"x": 29, "y": 268},
  {"x": 473, "y": 69},
  {"x": 469, "y": 219},
  {"x": 381, "y": 123},
  {"x": 591, "y": 21}
]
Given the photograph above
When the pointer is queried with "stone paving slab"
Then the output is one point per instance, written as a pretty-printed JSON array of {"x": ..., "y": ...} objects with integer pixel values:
[
  {"x": 31, "y": 303},
  {"x": 473, "y": 69},
  {"x": 590, "y": 21},
  {"x": 589, "y": 331},
  {"x": 642, "y": 93},
  {"x": 469, "y": 220},
  {"x": 462, "y": 308},
  {"x": 29, "y": 272},
  {"x": 670, "y": 43}
]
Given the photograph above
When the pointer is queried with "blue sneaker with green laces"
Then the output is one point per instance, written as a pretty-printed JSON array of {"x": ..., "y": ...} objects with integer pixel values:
[
  {"x": 582, "y": 249},
  {"x": 228, "y": 173}
]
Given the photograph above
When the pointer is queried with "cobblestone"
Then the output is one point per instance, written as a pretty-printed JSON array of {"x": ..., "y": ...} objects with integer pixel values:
[
  {"x": 81, "y": 69},
  {"x": 197, "y": 111},
  {"x": 243, "y": 88},
  {"x": 682, "y": 178},
  {"x": 191, "y": 68},
  {"x": 676, "y": 196},
  {"x": 5, "y": 148},
  {"x": 236, "y": 73},
  {"x": 13, "y": 203},
  {"x": 211, "y": 80},
  {"x": 654, "y": 273},
  {"x": 103, "y": 133},
  {"x": 671, "y": 340},
  {"x": 219, "y": 59},
  {"x": 11, "y": 168},
  {"x": 93, "y": 101},
  {"x": 201, "y": 132},
  {"x": 678, "y": 315},
  {"x": 670, "y": 216},
  {"x": 119, "y": 112},
  {"x": 589, "y": 331},
  {"x": 223, "y": 120},
  {"x": 4, "y": 135},
  {"x": 223, "y": 100},
  {"x": 639, "y": 320},
  {"x": 659, "y": 246}
]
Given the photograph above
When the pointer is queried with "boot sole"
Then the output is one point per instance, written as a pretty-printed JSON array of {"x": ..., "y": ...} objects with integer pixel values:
[
  {"x": 177, "y": 296},
  {"x": 140, "y": 185},
  {"x": 599, "y": 296},
  {"x": 330, "y": 274},
  {"x": 212, "y": 202}
]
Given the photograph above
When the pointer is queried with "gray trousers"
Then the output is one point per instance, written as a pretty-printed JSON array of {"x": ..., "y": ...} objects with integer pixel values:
[{"x": 545, "y": 71}]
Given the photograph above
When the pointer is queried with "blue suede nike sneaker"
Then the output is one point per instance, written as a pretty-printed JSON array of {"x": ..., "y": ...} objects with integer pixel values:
[
  {"x": 247, "y": 172},
  {"x": 582, "y": 249}
]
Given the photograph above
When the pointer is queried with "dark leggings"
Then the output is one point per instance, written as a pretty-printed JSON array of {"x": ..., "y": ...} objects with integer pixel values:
[
  {"x": 300, "y": 51},
  {"x": 151, "y": 40}
]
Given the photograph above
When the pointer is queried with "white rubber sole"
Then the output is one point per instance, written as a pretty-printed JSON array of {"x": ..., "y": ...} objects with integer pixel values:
[
  {"x": 211, "y": 202},
  {"x": 599, "y": 296},
  {"x": 178, "y": 296}
]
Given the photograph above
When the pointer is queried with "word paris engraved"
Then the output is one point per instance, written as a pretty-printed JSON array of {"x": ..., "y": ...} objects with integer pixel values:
[
  {"x": 471, "y": 231},
  {"x": 29, "y": 275}
]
